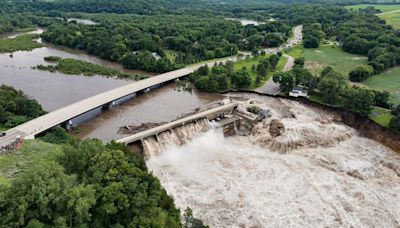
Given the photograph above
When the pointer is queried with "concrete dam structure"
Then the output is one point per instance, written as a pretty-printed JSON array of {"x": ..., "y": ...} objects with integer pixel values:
[{"x": 181, "y": 131}]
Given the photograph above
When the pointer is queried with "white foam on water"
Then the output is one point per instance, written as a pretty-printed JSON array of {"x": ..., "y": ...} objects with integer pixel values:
[{"x": 240, "y": 182}]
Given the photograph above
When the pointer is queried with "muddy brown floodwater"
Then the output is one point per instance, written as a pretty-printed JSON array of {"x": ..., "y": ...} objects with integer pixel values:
[
  {"x": 159, "y": 105},
  {"x": 317, "y": 173},
  {"x": 55, "y": 90}
]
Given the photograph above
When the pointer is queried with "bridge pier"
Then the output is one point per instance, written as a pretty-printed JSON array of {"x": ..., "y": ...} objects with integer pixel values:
[
  {"x": 148, "y": 89},
  {"x": 78, "y": 120}
]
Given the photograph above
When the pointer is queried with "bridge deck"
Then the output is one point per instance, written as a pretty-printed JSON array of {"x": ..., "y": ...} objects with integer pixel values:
[
  {"x": 45, "y": 122},
  {"x": 211, "y": 113}
]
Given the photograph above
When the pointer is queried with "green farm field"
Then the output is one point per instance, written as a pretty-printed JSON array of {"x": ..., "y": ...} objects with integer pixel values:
[
  {"x": 392, "y": 19},
  {"x": 327, "y": 55},
  {"x": 381, "y": 116},
  {"x": 390, "y": 13},
  {"x": 382, "y": 7},
  {"x": 389, "y": 80}
]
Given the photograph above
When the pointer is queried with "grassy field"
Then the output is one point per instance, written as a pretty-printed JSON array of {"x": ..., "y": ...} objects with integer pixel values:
[
  {"x": 296, "y": 52},
  {"x": 389, "y": 80},
  {"x": 383, "y": 8},
  {"x": 381, "y": 116},
  {"x": 32, "y": 152},
  {"x": 392, "y": 19},
  {"x": 327, "y": 55},
  {"x": 23, "y": 42},
  {"x": 248, "y": 63}
]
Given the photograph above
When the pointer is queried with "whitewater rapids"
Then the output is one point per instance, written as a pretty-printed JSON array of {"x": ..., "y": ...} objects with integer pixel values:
[{"x": 327, "y": 176}]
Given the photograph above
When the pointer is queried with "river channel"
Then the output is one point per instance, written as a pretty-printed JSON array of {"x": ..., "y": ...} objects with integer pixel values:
[{"x": 56, "y": 90}]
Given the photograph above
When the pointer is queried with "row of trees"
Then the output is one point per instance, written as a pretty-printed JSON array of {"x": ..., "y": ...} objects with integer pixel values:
[
  {"x": 16, "y": 108},
  {"x": 12, "y": 22},
  {"x": 312, "y": 35}
]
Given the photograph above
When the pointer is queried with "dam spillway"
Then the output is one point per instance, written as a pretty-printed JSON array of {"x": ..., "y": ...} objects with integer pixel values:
[
  {"x": 318, "y": 172},
  {"x": 181, "y": 131}
]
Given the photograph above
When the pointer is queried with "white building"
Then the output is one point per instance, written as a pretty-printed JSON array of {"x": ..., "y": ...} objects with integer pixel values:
[{"x": 298, "y": 92}]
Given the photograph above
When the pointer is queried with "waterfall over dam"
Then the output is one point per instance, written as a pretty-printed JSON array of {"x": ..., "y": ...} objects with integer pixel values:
[
  {"x": 153, "y": 145},
  {"x": 313, "y": 172}
]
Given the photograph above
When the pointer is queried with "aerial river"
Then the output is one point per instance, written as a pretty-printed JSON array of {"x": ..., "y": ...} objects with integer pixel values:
[
  {"x": 319, "y": 172},
  {"x": 56, "y": 90}
]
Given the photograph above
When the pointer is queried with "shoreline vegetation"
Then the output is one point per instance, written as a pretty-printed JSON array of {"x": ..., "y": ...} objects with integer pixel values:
[
  {"x": 20, "y": 43},
  {"x": 79, "y": 67}
]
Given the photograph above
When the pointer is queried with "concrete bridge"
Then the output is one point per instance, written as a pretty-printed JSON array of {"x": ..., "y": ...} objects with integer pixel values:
[
  {"x": 71, "y": 113},
  {"x": 78, "y": 112},
  {"x": 210, "y": 114}
]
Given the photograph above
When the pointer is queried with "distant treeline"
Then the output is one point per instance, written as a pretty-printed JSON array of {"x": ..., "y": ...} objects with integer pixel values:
[{"x": 135, "y": 40}]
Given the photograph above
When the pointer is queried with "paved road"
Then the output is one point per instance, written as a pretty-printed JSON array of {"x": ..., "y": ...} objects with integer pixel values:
[{"x": 270, "y": 87}]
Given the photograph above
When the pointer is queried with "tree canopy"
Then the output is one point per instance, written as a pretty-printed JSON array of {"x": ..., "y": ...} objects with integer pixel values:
[
  {"x": 92, "y": 185},
  {"x": 16, "y": 107}
]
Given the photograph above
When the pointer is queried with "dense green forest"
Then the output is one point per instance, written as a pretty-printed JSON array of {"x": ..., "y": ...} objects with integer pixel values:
[
  {"x": 89, "y": 185},
  {"x": 131, "y": 39},
  {"x": 16, "y": 108},
  {"x": 12, "y": 22}
]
